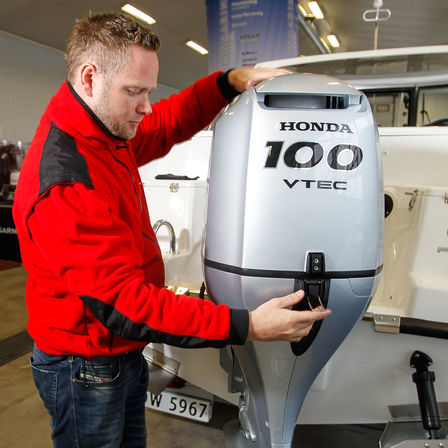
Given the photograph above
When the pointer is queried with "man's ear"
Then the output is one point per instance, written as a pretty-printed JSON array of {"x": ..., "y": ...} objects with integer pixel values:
[{"x": 88, "y": 74}]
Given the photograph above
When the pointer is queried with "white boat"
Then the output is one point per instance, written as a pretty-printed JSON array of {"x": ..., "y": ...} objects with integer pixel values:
[{"x": 368, "y": 379}]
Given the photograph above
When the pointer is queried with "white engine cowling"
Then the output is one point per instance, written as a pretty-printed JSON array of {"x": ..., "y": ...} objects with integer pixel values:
[{"x": 295, "y": 202}]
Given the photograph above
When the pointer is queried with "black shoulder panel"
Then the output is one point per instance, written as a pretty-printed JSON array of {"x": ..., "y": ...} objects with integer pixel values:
[{"x": 61, "y": 162}]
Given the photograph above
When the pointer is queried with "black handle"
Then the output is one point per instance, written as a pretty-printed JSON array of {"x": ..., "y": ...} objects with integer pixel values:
[{"x": 424, "y": 380}]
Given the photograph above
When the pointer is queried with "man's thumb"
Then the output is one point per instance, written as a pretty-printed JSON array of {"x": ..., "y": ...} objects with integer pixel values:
[{"x": 291, "y": 299}]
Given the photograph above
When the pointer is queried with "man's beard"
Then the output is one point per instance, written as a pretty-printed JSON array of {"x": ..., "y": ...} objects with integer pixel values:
[{"x": 102, "y": 111}]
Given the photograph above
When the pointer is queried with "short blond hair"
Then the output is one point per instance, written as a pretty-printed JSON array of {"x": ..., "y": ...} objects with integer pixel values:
[{"x": 105, "y": 38}]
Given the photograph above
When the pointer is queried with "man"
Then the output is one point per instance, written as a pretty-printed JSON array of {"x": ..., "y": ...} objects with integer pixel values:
[{"x": 95, "y": 292}]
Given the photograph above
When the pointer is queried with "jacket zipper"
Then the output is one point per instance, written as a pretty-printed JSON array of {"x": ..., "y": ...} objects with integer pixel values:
[
  {"x": 135, "y": 192},
  {"x": 132, "y": 178},
  {"x": 149, "y": 238}
]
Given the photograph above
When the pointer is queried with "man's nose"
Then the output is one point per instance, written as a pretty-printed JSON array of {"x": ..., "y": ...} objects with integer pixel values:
[{"x": 144, "y": 106}]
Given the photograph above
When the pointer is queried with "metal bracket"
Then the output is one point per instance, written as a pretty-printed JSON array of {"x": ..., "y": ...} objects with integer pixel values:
[
  {"x": 413, "y": 198},
  {"x": 162, "y": 369},
  {"x": 411, "y": 434},
  {"x": 376, "y": 15},
  {"x": 385, "y": 323},
  {"x": 423, "y": 443}
]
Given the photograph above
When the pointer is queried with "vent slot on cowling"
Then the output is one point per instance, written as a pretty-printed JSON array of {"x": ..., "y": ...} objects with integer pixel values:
[{"x": 307, "y": 101}]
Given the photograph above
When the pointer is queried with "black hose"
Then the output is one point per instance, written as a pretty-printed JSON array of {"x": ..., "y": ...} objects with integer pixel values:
[{"x": 421, "y": 327}]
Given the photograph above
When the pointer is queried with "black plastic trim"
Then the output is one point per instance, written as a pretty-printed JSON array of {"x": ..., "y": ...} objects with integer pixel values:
[
  {"x": 248, "y": 272},
  {"x": 323, "y": 286},
  {"x": 305, "y": 101}
]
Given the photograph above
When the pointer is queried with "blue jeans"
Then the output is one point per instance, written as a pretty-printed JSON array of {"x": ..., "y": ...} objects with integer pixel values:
[{"x": 97, "y": 403}]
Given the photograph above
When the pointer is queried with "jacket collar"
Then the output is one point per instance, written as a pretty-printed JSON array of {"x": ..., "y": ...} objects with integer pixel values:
[{"x": 71, "y": 114}]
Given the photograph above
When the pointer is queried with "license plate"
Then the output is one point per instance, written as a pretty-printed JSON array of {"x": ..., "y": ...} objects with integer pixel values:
[{"x": 181, "y": 405}]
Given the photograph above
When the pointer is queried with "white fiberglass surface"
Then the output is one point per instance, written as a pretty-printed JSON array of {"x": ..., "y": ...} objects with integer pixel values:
[
  {"x": 414, "y": 281},
  {"x": 429, "y": 298},
  {"x": 400, "y": 237}
]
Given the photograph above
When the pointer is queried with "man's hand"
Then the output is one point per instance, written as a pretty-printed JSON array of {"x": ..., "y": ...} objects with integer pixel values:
[
  {"x": 244, "y": 78},
  {"x": 272, "y": 321}
]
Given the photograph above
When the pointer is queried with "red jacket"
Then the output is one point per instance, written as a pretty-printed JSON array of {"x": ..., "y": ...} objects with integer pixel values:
[{"x": 95, "y": 271}]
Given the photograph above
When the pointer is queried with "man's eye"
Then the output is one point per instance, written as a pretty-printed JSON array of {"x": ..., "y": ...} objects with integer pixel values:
[{"x": 133, "y": 92}]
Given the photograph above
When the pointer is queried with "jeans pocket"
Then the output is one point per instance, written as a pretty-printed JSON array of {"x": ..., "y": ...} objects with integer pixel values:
[
  {"x": 47, "y": 384},
  {"x": 99, "y": 371},
  {"x": 43, "y": 360}
]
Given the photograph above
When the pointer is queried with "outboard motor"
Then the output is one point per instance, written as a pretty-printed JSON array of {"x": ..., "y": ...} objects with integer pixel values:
[{"x": 295, "y": 202}]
